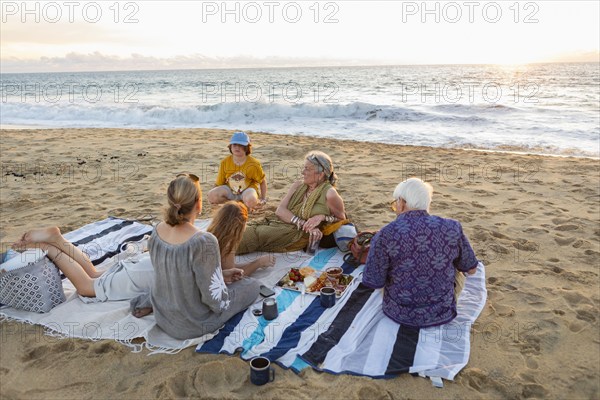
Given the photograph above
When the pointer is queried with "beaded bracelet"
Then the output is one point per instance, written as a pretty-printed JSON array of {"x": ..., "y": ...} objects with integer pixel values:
[{"x": 330, "y": 218}]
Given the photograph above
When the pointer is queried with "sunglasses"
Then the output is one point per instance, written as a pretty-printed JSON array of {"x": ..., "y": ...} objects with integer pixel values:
[
  {"x": 394, "y": 205},
  {"x": 193, "y": 177}
]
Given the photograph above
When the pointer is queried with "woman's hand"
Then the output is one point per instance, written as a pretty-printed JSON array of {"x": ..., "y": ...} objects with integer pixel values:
[
  {"x": 313, "y": 222},
  {"x": 231, "y": 275},
  {"x": 315, "y": 235},
  {"x": 266, "y": 261}
]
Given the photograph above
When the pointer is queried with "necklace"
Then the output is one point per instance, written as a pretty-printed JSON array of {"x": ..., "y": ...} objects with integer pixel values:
[{"x": 306, "y": 196}]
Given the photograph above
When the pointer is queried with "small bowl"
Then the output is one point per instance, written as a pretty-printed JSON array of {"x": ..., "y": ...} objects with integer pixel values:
[{"x": 333, "y": 274}]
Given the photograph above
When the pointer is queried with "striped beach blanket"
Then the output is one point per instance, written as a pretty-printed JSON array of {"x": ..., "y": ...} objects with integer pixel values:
[{"x": 353, "y": 337}]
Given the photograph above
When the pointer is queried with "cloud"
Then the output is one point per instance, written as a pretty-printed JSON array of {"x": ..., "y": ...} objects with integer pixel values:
[{"x": 97, "y": 61}]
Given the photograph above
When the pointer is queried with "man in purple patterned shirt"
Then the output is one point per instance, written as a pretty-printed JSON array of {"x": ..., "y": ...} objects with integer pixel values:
[{"x": 415, "y": 259}]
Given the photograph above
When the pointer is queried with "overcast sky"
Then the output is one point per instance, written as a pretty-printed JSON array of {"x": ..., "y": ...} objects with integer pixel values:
[{"x": 87, "y": 36}]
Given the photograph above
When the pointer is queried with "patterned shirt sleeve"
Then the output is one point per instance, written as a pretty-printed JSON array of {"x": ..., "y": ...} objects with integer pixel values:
[
  {"x": 466, "y": 259},
  {"x": 378, "y": 263},
  {"x": 209, "y": 275}
]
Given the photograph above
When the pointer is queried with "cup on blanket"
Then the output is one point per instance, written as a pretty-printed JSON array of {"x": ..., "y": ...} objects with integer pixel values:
[
  {"x": 261, "y": 371},
  {"x": 327, "y": 297},
  {"x": 334, "y": 274},
  {"x": 269, "y": 309}
]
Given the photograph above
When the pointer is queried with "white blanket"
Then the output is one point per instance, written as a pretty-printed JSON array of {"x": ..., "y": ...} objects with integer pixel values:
[{"x": 77, "y": 318}]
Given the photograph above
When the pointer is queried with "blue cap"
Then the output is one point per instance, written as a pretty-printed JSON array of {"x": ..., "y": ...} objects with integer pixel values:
[{"x": 240, "y": 138}]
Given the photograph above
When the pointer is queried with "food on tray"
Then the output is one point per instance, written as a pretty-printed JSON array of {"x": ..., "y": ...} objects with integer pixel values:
[
  {"x": 345, "y": 280},
  {"x": 307, "y": 271},
  {"x": 309, "y": 280},
  {"x": 315, "y": 281},
  {"x": 295, "y": 275},
  {"x": 318, "y": 284}
]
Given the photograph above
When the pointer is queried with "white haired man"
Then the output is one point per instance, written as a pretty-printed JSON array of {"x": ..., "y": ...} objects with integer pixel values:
[{"x": 416, "y": 258}]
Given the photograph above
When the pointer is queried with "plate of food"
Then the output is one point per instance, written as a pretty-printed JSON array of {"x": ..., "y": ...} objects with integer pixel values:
[{"x": 313, "y": 281}]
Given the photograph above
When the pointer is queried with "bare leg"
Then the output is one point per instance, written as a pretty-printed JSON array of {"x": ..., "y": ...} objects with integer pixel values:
[
  {"x": 218, "y": 195},
  {"x": 73, "y": 270},
  {"x": 53, "y": 237},
  {"x": 250, "y": 199}
]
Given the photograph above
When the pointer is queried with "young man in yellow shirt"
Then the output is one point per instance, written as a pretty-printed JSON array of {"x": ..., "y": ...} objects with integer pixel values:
[{"x": 240, "y": 175}]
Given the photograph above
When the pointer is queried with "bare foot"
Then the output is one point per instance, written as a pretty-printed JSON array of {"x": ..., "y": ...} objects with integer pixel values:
[
  {"x": 43, "y": 235},
  {"x": 141, "y": 312}
]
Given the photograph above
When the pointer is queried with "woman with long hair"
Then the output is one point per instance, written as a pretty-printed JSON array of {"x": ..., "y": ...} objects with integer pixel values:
[
  {"x": 228, "y": 227},
  {"x": 192, "y": 295}
]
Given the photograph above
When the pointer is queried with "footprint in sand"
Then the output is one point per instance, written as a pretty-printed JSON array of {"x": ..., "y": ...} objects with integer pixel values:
[
  {"x": 502, "y": 310},
  {"x": 576, "y": 327},
  {"x": 557, "y": 270},
  {"x": 534, "y": 390},
  {"x": 498, "y": 235},
  {"x": 567, "y": 227},
  {"x": 525, "y": 245},
  {"x": 482, "y": 382},
  {"x": 562, "y": 241},
  {"x": 578, "y": 243},
  {"x": 538, "y": 231},
  {"x": 586, "y": 315},
  {"x": 215, "y": 378}
]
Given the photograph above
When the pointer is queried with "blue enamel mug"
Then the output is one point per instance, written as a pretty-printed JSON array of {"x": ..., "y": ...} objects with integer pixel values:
[
  {"x": 327, "y": 297},
  {"x": 261, "y": 371}
]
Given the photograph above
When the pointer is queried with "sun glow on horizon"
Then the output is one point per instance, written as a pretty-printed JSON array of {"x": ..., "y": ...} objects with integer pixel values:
[{"x": 201, "y": 34}]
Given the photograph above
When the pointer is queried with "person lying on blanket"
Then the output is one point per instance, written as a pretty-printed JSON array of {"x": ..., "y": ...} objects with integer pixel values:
[
  {"x": 419, "y": 259},
  {"x": 228, "y": 226},
  {"x": 192, "y": 295},
  {"x": 312, "y": 208},
  {"x": 123, "y": 281}
]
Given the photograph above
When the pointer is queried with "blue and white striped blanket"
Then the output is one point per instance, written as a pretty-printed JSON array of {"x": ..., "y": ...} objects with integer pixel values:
[{"x": 353, "y": 337}]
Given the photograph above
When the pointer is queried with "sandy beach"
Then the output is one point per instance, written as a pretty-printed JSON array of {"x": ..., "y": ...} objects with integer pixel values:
[{"x": 533, "y": 221}]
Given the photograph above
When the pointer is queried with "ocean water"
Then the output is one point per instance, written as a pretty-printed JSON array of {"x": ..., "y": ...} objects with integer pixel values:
[{"x": 541, "y": 108}]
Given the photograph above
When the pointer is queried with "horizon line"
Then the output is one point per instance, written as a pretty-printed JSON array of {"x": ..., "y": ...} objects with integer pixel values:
[{"x": 309, "y": 66}]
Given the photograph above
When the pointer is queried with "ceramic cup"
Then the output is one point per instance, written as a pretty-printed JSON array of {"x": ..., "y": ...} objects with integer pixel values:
[
  {"x": 333, "y": 275},
  {"x": 269, "y": 309},
  {"x": 261, "y": 371},
  {"x": 327, "y": 297}
]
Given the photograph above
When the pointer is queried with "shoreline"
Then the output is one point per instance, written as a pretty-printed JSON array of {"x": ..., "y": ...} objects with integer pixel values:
[
  {"x": 531, "y": 219},
  {"x": 20, "y": 127}
]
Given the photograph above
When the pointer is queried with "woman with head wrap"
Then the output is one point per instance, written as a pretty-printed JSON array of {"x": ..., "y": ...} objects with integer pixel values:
[{"x": 311, "y": 209}]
